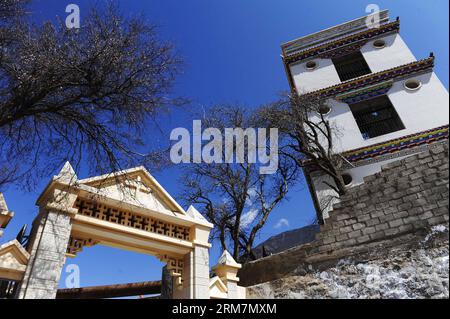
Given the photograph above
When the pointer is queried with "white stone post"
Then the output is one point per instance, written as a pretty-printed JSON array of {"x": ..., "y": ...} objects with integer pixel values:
[
  {"x": 49, "y": 238},
  {"x": 227, "y": 269},
  {"x": 201, "y": 272},
  {"x": 195, "y": 276},
  {"x": 5, "y": 214},
  {"x": 196, "y": 263},
  {"x": 47, "y": 257}
]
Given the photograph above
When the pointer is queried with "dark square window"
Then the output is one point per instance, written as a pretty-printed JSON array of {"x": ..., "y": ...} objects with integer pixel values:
[
  {"x": 376, "y": 117},
  {"x": 351, "y": 66}
]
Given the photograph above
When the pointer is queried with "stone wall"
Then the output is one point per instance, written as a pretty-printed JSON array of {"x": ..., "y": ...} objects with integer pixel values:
[
  {"x": 406, "y": 195},
  {"x": 393, "y": 206},
  {"x": 401, "y": 272}
]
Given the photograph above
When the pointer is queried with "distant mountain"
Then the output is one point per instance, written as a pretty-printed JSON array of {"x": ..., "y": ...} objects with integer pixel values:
[{"x": 286, "y": 240}]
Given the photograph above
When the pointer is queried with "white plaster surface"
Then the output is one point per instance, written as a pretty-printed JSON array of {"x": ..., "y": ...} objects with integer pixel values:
[
  {"x": 419, "y": 111},
  {"x": 395, "y": 53},
  {"x": 310, "y": 80}
]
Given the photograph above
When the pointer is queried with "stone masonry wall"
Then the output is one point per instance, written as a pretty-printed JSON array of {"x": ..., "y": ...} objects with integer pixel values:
[
  {"x": 406, "y": 195},
  {"x": 406, "y": 198}
]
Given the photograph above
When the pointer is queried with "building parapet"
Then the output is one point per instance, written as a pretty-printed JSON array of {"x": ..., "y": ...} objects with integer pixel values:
[
  {"x": 331, "y": 33},
  {"x": 339, "y": 46}
]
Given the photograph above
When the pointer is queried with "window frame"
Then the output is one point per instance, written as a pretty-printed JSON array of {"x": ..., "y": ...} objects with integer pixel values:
[
  {"x": 346, "y": 69},
  {"x": 372, "y": 129}
]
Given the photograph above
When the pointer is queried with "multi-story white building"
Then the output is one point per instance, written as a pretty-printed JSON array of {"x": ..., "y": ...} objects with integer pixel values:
[{"x": 386, "y": 103}]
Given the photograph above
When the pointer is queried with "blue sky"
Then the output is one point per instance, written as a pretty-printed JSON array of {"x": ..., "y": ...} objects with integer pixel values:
[{"x": 231, "y": 50}]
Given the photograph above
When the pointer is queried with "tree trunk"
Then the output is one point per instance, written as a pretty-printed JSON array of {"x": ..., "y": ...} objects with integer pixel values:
[{"x": 236, "y": 248}]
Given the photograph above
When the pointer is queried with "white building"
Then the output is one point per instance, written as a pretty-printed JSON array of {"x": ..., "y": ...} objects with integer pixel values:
[{"x": 385, "y": 102}]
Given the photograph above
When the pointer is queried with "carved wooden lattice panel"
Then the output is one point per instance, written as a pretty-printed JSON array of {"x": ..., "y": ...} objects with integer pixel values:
[
  {"x": 76, "y": 245},
  {"x": 134, "y": 220}
]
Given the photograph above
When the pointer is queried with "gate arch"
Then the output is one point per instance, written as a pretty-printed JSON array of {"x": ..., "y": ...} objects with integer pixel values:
[{"x": 128, "y": 210}]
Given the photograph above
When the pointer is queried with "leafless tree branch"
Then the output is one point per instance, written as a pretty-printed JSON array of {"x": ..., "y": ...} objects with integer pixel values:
[
  {"x": 227, "y": 194},
  {"x": 86, "y": 95}
]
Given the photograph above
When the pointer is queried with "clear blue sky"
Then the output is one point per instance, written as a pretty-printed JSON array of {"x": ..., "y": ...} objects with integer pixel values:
[{"x": 231, "y": 50}]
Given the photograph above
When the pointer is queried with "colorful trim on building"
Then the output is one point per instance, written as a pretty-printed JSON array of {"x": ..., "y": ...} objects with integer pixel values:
[
  {"x": 339, "y": 52},
  {"x": 398, "y": 145},
  {"x": 374, "y": 78},
  {"x": 366, "y": 93},
  {"x": 330, "y": 34},
  {"x": 361, "y": 37}
]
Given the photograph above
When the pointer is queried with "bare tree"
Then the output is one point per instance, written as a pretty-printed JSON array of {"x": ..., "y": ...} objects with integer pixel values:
[
  {"x": 85, "y": 95},
  {"x": 235, "y": 197},
  {"x": 309, "y": 137},
  {"x": 11, "y": 8}
]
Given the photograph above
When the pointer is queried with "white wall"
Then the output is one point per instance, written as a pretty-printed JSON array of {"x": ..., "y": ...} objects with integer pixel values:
[
  {"x": 323, "y": 76},
  {"x": 326, "y": 197},
  {"x": 419, "y": 110},
  {"x": 395, "y": 53}
]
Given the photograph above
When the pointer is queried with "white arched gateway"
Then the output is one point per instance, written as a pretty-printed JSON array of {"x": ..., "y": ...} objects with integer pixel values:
[{"x": 128, "y": 210}]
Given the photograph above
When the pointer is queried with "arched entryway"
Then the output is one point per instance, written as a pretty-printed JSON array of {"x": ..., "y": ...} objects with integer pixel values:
[
  {"x": 102, "y": 272},
  {"x": 126, "y": 210}
]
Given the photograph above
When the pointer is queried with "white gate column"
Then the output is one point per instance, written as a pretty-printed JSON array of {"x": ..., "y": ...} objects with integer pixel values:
[
  {"x": 201, "y": 272},
  {"x": 49, "y": 238},
  {"x": 47, "y": 257}
]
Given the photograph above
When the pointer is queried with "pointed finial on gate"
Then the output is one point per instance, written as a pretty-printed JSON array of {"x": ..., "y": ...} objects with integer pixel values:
[
  {"x": 227, "y": 268},
  {"x": 194, "y": 213},
  {"x": 227, "y": 260},
  {"x": 66, "y": 175},
  {"x": 3, "y": 206},
  {"x": 5, "y": 214}
]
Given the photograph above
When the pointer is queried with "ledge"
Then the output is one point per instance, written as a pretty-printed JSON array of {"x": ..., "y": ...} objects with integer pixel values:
[
  {"x": 342, "y": 42},
  {"x": 374, "y": 78},
  {"x": 395, "y": 145}
]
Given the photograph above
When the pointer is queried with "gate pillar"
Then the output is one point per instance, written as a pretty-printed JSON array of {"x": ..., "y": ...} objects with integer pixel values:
[{"x": 49, "y": 239}]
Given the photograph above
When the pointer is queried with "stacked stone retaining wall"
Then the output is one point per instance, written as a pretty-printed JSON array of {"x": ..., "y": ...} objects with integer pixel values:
[{"x": 406, "y": 198}]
